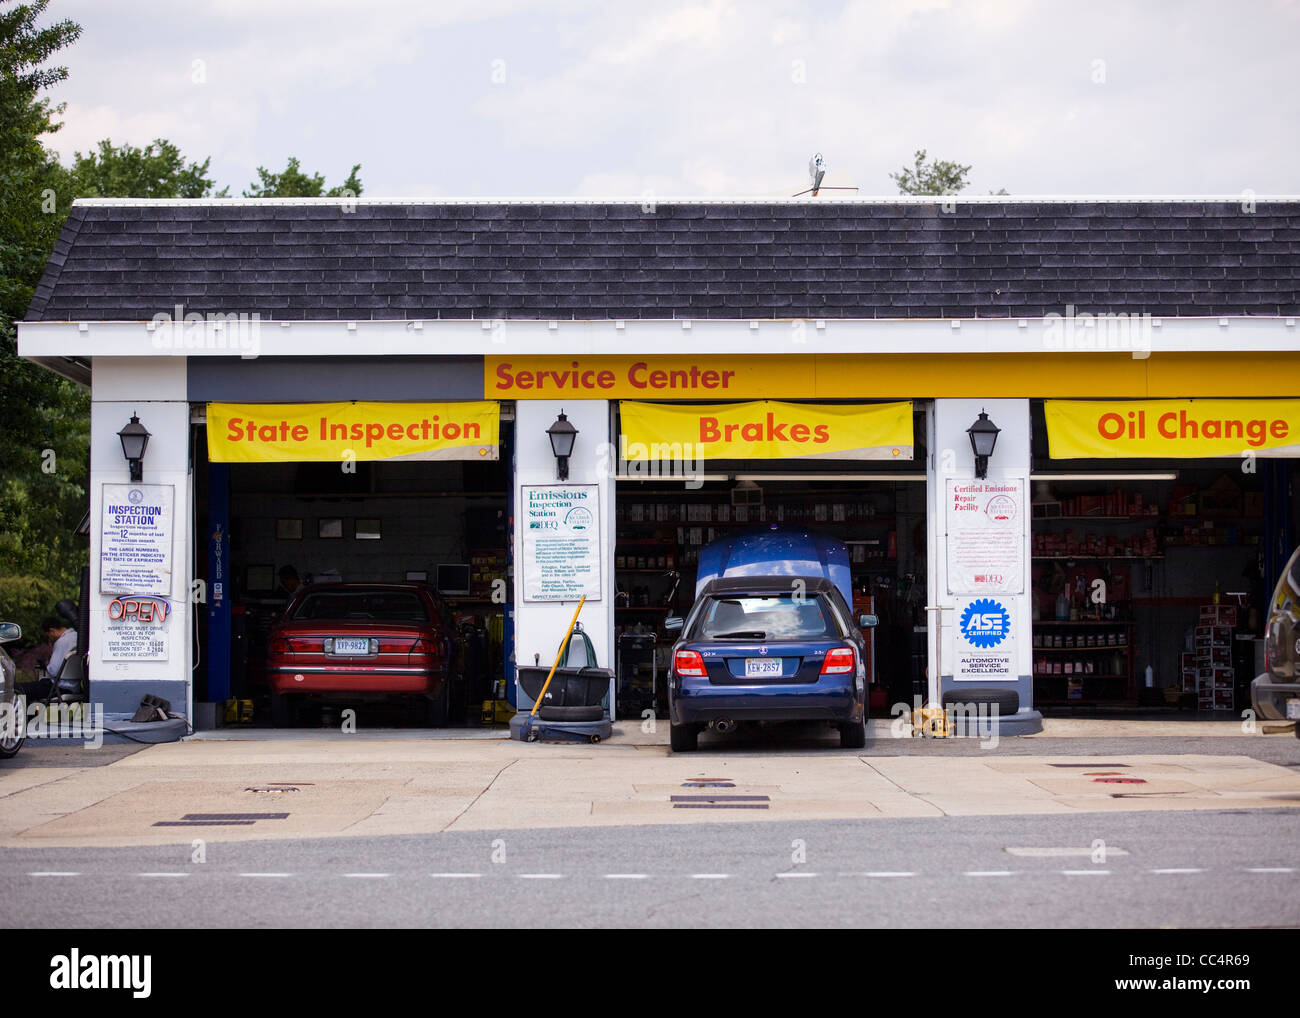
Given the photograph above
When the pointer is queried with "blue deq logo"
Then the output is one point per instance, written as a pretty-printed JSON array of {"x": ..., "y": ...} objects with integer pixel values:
[{"x": 985, "y": 623}]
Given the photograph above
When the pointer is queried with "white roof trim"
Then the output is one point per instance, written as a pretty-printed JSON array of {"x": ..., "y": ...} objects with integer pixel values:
[
  {"x": 655, "y": 199},
  {"x": 1138, "y": 334}
]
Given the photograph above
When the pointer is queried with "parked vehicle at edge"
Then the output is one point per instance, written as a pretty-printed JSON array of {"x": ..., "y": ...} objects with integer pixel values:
[
  {"x": 355, "y": 641},
  {"x": 771, "y": 637},
  {"x": 10, "y": 724},
  {"x": 1276, "y": 693}
]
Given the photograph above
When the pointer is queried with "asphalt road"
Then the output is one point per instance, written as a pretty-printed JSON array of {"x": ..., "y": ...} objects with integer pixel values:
[{"x": 1165, "y": 869}]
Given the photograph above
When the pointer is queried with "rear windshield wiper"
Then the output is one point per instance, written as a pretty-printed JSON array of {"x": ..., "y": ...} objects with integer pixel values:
[{"x": 750, "y": 635}]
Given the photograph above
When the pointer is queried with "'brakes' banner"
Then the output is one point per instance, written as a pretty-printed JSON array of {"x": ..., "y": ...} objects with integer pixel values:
[
  {"x": 767, "y": 430},
  {"x": 1176, "y": 428},
  {"x": 336, "y": 432}
]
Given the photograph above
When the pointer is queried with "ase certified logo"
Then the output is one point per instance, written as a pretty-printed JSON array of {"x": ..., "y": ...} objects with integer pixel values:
[{"x": 985, "y": 622}]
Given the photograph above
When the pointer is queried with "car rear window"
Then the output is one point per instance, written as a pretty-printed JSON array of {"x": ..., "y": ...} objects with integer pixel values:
[
  {"x": 362, "y": 605},
  {"x": 776, "y": 616}
]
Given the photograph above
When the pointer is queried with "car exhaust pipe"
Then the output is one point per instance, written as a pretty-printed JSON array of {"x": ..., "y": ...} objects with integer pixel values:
[{"x": 724, "y": 725}]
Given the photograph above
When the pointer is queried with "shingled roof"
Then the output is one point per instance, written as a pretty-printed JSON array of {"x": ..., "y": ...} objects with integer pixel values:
[{"x": 304, "y": 260}]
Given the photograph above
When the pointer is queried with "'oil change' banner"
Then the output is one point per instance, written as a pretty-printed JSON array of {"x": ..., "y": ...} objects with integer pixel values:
[
  {"x": 334, "y": 432},
  {"x": 767, "y": 430},
  {"x": 1173, "y": 428}
]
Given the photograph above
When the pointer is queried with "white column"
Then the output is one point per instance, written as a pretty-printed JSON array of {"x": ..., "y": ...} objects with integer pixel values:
[
  {"x": 540, "y": 625},
  {"x": 951, "y": 458},
  {"x": 155, "y": 390}
]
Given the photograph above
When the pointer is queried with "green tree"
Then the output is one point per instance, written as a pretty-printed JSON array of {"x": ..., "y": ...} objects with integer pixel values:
[
  {"x": 156, "y": 171},
  {"x": 44, "y": 420},
  {"x": 927, "y": 177},
  {"x": 292, "y": 182}
]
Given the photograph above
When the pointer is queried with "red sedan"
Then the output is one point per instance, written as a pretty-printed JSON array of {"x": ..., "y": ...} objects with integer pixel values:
[{"x": 361, "y": 641}]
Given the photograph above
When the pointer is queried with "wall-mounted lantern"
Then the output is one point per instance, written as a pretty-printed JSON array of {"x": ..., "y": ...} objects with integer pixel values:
[
  {"x": 135, "y": 439},
  {"x": 562, "y": 435},
  {"x": 983, "y": 437}
]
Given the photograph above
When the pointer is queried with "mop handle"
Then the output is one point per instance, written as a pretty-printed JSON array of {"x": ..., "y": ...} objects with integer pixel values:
[{"x": 560, "y": 657}]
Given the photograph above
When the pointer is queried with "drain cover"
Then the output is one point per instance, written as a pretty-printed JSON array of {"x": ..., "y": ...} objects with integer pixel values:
[
  {"x": 719, "y": 801},
  {"x": 273, "y": 788}
]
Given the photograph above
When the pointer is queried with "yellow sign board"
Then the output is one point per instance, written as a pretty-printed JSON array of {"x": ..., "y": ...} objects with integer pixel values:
[
  {"x": 766, "y": 430},
  {"x": 718, "y": 376},
  {"x": 336, "y": 432},
  {"x": 1172, "y": 428}
]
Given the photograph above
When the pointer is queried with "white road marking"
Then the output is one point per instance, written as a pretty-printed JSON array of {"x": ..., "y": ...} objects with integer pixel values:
[
  {"x": 889, "y": 873},
  {"x": 710, "y": 876},
  {"x": 799, "y": 873},
  {"x": 540, "y": 876},
  {"x": 55, "y": 873},
  {"x": 1086, "y": 873},
  {"x": 162, "y": 874},
  {"x": 367, "y": 876},
  {"x": 987, "y": 873},
  {"x": 268, "y": 875},
  {"x": 1176, "y": 870},
  {"x": 455, "y": 876},
  {"x": 625, "y": 876},
  {"x": 1271, "y": 869},
  {"x": 1040, "y": 852}
]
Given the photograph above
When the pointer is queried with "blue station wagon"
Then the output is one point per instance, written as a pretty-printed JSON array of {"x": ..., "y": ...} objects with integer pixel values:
[{"x": 768, "y": 648}]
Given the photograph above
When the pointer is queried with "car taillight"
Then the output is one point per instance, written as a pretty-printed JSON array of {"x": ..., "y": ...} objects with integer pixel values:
[
  {"x": 387, "y": 646},
  {"x": 689, "y": 662},
  {"x": 279, "y": 645},
  {"x": 424, "y": 646},
  {"x": 838, "y": 661}
]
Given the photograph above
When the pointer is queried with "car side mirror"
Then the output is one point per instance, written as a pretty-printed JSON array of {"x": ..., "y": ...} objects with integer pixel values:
[
  {"x": 673, "y": 623},
  {"x": 10, "y": 631},
  {"x": 868, "y": 621}
]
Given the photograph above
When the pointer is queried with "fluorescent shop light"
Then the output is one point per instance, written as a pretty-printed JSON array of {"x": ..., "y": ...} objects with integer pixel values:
[
  {"x": 830, "y": 477},
  {"x": 621, "y": 476},
  {"x": 1170, "y": 475}
]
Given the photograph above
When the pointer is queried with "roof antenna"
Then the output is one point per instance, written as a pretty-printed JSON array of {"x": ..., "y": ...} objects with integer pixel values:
[{"x": 816, "y": 171}]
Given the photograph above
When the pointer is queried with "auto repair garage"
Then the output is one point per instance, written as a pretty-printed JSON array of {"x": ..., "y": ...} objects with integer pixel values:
[{"x": 952, "y": 308}]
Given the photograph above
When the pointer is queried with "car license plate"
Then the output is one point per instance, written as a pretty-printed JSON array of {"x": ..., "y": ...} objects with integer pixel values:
[
  {"x": 1293, "y": 710},
  {"x": 758, "y": 667},
  {"x": 354, "y": 645}
]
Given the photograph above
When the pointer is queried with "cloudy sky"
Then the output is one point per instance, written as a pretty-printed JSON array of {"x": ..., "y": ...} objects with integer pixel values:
[{"x": 606, "y": 97}]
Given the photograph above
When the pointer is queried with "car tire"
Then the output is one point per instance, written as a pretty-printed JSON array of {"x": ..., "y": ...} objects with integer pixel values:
[
  {"x": 439, "y": 706},
  {"x": 683, "y": 738},
  {"x": 571, "y": 713},
  {"x": 853, "y": 735},
  {"x": 281, "y": 711},
  {"x": 1008, "y": 700},
  {"x": 10, "y": 746}
]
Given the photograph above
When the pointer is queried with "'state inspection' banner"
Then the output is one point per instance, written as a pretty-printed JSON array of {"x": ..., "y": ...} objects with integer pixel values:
[{"x": 333, "y": 432}]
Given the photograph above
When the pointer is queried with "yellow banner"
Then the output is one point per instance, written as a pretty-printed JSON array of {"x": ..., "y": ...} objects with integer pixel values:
[
  {"x": 1172, "y": 428},
  {"x": 336, "y": 432},
  {"x": 766, "y": 430}
]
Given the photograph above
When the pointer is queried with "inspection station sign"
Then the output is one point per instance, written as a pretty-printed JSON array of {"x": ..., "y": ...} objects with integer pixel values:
[
  {"x": 135, "y": 547},
  {"x": 561, "y": 541},
  {"x": 986, "y": 536},
  {"x": 336, "y": 432},
  {"x": 1172, "y": 428},
  {"x": 766, "y": 429}
]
